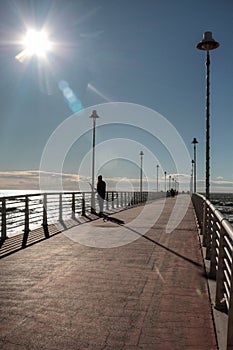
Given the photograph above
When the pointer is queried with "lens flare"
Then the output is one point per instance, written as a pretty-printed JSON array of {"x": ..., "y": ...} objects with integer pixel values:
[{"x": 71, "y": 99}]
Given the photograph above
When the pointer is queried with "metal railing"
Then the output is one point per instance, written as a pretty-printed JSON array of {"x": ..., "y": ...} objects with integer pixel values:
[
  {"x": 218, "y": 239},
  {"x": 28, "y": 212}
]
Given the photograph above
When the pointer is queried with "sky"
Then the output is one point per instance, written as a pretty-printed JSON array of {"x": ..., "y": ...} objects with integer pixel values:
[{"x": 140, "y": 54}]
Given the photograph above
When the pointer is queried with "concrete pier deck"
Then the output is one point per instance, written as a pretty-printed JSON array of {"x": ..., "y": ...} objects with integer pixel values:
[{"x": 150, "y": 293}]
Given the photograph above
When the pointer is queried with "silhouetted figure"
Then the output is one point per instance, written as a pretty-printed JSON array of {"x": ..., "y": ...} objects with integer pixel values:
[
  {"x": 172, "y": 193},
  {"x": 101, "y": 190}
]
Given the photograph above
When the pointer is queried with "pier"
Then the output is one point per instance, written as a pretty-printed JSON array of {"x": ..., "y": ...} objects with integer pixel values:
[{"x": 67, "y": 291}]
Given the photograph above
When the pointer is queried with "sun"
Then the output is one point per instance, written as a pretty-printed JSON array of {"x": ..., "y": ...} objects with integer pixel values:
[{"x": 35, "y": 43}]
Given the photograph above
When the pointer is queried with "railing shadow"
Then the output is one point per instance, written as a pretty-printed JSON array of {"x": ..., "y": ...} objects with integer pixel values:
[{"x": 164, "y": 247}]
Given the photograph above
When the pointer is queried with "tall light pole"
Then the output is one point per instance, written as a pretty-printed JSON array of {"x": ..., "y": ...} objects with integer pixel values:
[
  {"x": 157, "y": 166},
  {"x": 165, "y": 175},
  {"x": 207, "y": 44},
  {"x": 194, "y": 142},
  {"x": 191, "y": 184},
  {"x": 94, "y": 116},
  {"x": 177, "y": 185},
  {"x": 141, "y": 155},
  {"x": 169, "y": 183}
]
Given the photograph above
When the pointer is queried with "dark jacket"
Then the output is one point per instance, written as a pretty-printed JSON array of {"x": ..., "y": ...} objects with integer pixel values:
[{"x": 101, "y": 188}]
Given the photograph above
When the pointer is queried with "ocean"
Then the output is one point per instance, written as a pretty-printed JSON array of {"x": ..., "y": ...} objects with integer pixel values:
[{"x": 224, "y": 203}]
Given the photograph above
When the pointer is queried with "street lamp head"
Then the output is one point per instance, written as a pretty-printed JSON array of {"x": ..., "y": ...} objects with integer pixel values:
[
  {"x": 207, "y": 43},
  {"x": 141, "y": 153},
  {"x": 94, "y": 114},
  {"x": 194, "y": 141}
]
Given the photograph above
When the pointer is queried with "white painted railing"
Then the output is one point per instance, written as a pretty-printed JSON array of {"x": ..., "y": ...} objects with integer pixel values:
[{"x": 218, "y": 239}]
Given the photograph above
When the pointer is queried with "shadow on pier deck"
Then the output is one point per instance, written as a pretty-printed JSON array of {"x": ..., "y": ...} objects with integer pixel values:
[{"x": 148, "y": 293}]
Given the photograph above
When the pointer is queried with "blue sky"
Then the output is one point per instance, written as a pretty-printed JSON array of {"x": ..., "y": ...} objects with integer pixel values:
[{"x": 140, "y": 52}]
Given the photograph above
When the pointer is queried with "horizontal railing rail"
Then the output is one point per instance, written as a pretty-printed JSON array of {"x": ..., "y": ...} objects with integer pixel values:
[
  {"x": 30, "y": 211},
  {"x": 218, "y": 240}
]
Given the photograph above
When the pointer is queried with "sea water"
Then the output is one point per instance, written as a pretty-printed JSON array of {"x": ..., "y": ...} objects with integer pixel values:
[{"x": 224, "y": 203}]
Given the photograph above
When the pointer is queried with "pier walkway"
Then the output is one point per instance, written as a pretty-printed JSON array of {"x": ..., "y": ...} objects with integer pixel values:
[{"x": 146, "y": 290}]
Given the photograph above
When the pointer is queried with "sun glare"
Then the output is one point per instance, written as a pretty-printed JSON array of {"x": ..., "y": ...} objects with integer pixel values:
[{"x": 35, "y": 43}]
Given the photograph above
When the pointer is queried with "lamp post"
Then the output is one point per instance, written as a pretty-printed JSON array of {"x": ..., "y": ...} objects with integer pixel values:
[
  {"x": 141, "y": 155},
  {"x": 207, "y": 44},
  {"x": 191, "y": 185},
  {"x": 169, "y": 183},
  {"x": 165, "y": 175},
  {"x": 94, "y": 116},
  {"x": 177, "y": 185},
  {"x": 157, "y": 166},
  {"x": 194, "y": 142}
]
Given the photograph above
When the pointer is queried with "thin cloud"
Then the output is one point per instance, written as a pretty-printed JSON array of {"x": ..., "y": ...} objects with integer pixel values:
[{"x": 29, "y": 180}]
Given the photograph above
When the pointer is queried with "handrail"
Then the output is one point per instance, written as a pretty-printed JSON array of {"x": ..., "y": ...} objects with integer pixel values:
[
  {"x": 26, "y": 212},
  {"x": 218, "y": 239}
]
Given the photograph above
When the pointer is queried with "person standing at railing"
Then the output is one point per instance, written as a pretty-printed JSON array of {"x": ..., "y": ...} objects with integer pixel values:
[{"x": 101, "y": 192}]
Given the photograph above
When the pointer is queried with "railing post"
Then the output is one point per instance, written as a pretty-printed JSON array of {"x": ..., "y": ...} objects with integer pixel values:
[
  {"x": 45, "y": 219},
  {"x": 122, "y": 204},
  {"x": 220, "y": 304},
  {"x": 60, "y": 207},
  {"x": 113, "y": 200},
  {"x": 3, "y": 233},
  {"x": 107, "y": 202},
  {"x": 117, "y": 200},
  {"x": 73, "y": 206},
  {"x": 83, "y": 205},
  {"x": 213, "y": 250},
  {"x": 207, "y": 232},
  {"x": 26, "y": 223},
  {"x": 199, "y": 206},
  {"x": 230, "y": 315},
  {"x": 204, "y": 225}
]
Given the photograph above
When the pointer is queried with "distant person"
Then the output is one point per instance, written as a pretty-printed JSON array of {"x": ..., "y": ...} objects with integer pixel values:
[
  {"x": 172, "y": 192},
  {"x": 101, "y": 190}
]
